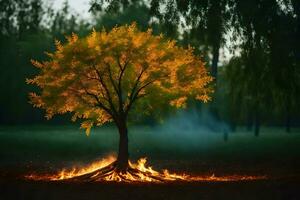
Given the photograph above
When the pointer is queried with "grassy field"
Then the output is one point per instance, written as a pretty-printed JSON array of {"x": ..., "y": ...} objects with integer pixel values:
[{"x": 193, "y": 150}]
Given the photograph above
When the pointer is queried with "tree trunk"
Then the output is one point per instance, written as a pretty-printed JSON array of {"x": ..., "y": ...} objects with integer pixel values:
[
  {"x": 225, "y": 135},
  {"x": 249, "y": 120},
  {"x": 214, "y": 73},
  {"x": 123, "y": 155},
  {"x": 288, "y": 115},
  {"x": 232, "y": 125},
  {"x": 256, "y": 124},
  {"x": 288, "y": 124},
  {"x": 288, "y": 119},
  {"x": 215, "y": 61}
]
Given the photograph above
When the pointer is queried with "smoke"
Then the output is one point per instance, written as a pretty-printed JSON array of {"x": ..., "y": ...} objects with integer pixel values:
[
  {"x": 186, "y": 132},
  {"x": 187, "y": 121}
]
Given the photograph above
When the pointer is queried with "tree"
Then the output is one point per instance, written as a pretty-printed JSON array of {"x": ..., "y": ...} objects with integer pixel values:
[
  {"x": 204, "y": 23},
  {"x": 19, "y": 19},
  {"x": 268, "y": 57},
  {"x": 137, "y": 12},
  {"x": 108, "y": 75}
]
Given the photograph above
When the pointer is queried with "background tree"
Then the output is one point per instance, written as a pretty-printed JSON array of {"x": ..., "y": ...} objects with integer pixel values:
[
  {"x": 267, "y": 51},
  {"x": 107, "y": 75},
  {"x": 137, "y": 12},
  {"x": 28, "y": 28},
  {"x": 268, "y": 71},
  {"x": 19, "y": 19}
]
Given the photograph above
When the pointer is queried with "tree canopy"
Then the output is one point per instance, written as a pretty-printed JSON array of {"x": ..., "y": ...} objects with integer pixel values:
[
  {"x": 101, "y": 77},
  {"x": 262, "y": 75}
]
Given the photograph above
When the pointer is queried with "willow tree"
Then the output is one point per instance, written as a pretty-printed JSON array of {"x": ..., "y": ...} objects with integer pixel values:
[{"x": 105, "y": 76}]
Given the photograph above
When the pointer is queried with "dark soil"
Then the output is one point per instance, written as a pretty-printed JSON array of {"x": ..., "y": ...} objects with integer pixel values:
[{"x": 267, "y": 189}]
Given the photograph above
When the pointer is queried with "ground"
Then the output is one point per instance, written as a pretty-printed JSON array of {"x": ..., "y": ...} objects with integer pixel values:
[
  {"x": 246, "y": 191},
  {"x": 191, "y": 150}
]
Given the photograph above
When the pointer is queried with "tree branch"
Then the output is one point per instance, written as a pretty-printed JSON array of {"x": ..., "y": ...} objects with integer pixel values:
[
  {"x": 99, "y": 103},
  {"x": 117, "y": 90},
  {"x": 136, "y": 84},
  {"x": 122, "y": 70},
  {"x": 93, "y": 78},
  {"x": 136, "y": 96},
  {"x": 106, "y": 90}
]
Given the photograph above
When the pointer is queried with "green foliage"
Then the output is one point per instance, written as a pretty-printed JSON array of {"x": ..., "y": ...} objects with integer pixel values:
[
  {"x": 138, "y": 13},
  {"x": 25, "y": 33}
]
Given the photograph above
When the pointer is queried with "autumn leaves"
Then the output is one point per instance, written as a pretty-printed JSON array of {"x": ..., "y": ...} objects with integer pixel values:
[{"x": 101, "y": 77}]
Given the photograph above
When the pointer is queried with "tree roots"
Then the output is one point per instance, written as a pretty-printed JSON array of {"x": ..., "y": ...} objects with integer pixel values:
[{"x": 133, "y": 173}]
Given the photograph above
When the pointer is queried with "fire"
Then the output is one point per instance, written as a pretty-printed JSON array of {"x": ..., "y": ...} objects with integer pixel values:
[
  {"x": 74, "y": 172},
  {"x": 104, "y": 170}
]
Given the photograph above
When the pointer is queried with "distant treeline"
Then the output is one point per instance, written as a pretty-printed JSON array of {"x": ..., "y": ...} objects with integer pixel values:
[{"x": 259, "y": 85}]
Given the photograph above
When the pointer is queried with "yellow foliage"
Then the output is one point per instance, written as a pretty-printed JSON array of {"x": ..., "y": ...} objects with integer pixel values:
[
  {"x": 87, "y": 125},
  {"x": 98, "y": 77},
  {"x": 179, "y": 103},
  {"x": 58, "y": 45},
  {"x": 36, "y": 63}
]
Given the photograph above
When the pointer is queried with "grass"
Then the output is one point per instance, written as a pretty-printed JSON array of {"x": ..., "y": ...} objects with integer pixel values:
[
  {"x": 194, "y": 150},
  {"x": 69, "y": 144}
]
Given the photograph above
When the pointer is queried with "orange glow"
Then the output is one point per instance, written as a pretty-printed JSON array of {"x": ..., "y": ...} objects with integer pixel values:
[{"x": 137, "y": 172}]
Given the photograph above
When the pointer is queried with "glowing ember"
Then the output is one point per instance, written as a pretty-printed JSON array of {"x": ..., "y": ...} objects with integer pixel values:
[{"x": 104, "y": 170}]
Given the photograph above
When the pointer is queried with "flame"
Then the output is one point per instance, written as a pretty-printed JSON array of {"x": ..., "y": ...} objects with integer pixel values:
[
  {"x": 103, "y": 170},
  {"x": 75, "y": 171}
]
